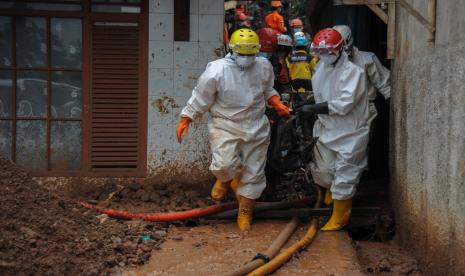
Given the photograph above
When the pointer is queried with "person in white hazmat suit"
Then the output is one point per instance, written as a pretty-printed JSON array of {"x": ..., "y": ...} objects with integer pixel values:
[
  {"x": 378, "y": 76},
  {"x": 235, "y": 90},
  {"x": 342, "y": 128}
]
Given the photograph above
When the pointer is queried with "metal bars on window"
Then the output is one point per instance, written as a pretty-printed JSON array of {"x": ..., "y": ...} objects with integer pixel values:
[{"x": 41, "y": 82}]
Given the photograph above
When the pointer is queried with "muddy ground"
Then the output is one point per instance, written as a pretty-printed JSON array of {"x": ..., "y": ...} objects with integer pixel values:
[
  {"x": 43, "y": 233},
  {"x": 385, "y": 258}
]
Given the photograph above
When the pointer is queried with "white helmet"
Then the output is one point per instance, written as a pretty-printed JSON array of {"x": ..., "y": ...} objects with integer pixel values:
[
  {"x": 346, "y": 34},
  {"x": 284, "y": 40},
  {"x": 297, "y": 34}
]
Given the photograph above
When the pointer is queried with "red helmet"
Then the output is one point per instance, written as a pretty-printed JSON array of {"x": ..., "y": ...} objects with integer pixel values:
[
  {"x": 327, "y": 41},
  {"x": 268, "y": 39}
]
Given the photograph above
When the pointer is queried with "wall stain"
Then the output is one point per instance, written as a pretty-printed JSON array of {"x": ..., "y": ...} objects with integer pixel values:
[
  {"x": 218, "y": 52},
  {"x": 164, "y": 103}
]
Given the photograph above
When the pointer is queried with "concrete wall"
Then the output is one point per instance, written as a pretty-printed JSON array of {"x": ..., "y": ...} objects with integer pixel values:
[
  {"x": 427, "y": 138},
  {"x": 174, "y": 68}
]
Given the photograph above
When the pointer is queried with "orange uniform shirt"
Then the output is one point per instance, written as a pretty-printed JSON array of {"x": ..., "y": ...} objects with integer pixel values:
[{"x": 275, "y": 21}]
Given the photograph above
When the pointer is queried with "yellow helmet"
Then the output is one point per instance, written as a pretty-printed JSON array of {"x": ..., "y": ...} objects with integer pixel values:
[{"x": 244, "y": 41}]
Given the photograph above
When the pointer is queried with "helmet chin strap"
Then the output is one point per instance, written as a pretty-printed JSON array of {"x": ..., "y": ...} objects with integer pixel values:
[
  {"x": 349, "y": 51},
  {"x": 339, "y": 56}
]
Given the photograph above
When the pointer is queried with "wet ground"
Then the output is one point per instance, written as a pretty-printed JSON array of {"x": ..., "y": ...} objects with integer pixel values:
[
  {"x": 45, "y": 233},
  {"x": 221, "y": 248},
  {"x": 386, "y": 258}
]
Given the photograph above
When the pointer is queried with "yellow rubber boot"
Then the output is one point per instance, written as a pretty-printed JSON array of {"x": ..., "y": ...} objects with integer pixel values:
[
  {"x": 219, "y": 190},
  {"x": 245, "y": 213},
  {"x": 328, "y": 197},
  {"x": 340, "y": 217},
  {"x": 234, "y": 185}
]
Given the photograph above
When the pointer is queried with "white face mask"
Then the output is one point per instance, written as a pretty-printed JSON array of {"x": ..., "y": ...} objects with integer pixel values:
[
  {"x": 328, "y": 58},
  {"x": 243, "y": 61}
]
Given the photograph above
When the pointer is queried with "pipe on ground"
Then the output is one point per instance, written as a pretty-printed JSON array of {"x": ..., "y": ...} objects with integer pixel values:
[
  {"x": 265, "y": 207},
  {"x": 163, "y": 217},
  {"x": 274, "y": 248},
  {"x": 287, "y": 254},
  {"x": 297, "y": 212},
  {"x": 194, "y": 213},
  {"x": 277, "y": 244}
]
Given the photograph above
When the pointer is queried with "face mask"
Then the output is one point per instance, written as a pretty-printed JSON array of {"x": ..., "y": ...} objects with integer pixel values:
[
  {"x": 297, "y": 30},
  {"x": 243, "y": 61},
  {"x": 328, "y": 58}
]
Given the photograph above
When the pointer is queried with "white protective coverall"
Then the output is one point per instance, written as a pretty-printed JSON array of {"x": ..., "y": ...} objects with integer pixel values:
[
  {"x": 340, "y": 153},
  {"x": 379, "y": 77},
  {"x": 239, "y": 131}
]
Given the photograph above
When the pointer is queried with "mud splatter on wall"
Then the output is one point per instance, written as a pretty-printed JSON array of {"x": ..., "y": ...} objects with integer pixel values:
[
  {"x": 427, "y": 165},
  {"x": 174, "y": 69}
]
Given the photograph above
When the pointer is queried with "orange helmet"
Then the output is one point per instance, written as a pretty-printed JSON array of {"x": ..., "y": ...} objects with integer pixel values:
[
  {"x": 296, "y": 23},
  {"x": 276, "y": 4}
]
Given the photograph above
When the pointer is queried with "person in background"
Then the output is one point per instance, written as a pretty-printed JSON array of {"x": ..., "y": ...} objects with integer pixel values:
[
  {"x": 274, "y": 19},
  {"x": 241, "y": 19},
  {"x": 235, "y": 90},
  {"x": 378, "y": 76},
  {"x": 297, "y": 25},
  {"x": 268, "y": 42},
  {"x": 342, "y": 128},
  {"x": 300, "y": 65},
  {"x": 278, "y": 60}
]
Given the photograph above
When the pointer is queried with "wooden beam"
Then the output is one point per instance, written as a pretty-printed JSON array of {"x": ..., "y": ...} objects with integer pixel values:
[
  {"x": 379, "y": 12},
  {"x": 417, "y": 15},
  {"x": 359, "y": 2},
  {"x": 391, "y": 31},
  {"x": 432, "y": 20}
]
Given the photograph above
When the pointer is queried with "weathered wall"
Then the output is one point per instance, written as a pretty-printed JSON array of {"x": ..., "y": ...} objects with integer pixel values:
[
  {"x": 174, "y": 69},
  {"x": 427, "y": 138}
]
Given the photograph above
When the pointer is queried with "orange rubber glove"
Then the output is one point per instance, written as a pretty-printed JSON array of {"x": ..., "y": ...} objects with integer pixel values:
[
  {"x": 183, "y": 127},
  {"x": 280, "y": 108}
]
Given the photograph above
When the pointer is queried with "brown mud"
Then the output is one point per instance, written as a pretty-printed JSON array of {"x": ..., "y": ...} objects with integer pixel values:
[
  {"x": 45, "y": 233},
  {"x": 386, "y": 258},
  {"x": 42, "y": 233},
  {"x": 221, "y": 248}
]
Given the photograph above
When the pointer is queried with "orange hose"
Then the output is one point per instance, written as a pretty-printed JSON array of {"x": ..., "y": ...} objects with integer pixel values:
[
  {"x": 159, "y": 217},
  {"x": 286, "y": 255}
]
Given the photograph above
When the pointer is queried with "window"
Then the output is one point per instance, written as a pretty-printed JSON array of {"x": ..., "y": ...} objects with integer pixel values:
[
  {"x": 181, "y": 20},
  {"x": 41, "y": 92},
  {"x": 73, "y": 86},
  {"x": 116, "y": 6}
]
